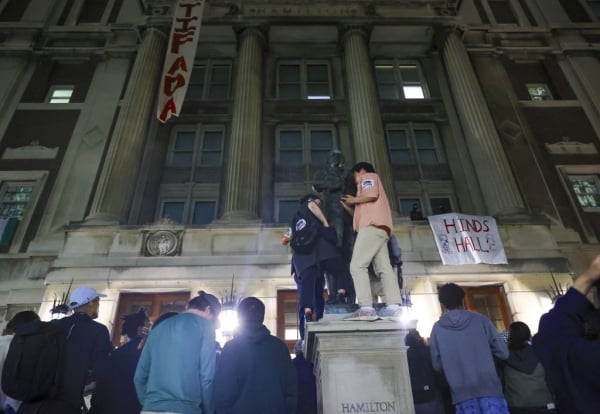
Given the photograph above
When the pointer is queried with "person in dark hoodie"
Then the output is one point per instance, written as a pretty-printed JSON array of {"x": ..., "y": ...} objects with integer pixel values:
[
  {"x": 307, "y": 383},
  {"x": 255, "y": 374},
  {"x": 115, "y": 392},
  {"x": 463, "y": 345},
  {"x": 426, "y": 385},
  {"x": 572, "y": 361},
  {"x": 525, "y": 387}
]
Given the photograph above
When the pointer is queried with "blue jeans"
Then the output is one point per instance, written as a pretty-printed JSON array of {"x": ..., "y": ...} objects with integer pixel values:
[{"x": 319, "y": 302}]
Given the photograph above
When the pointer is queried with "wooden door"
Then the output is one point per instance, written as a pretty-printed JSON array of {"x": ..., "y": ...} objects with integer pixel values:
[
  {"x": 155, "y": 304},
  {"x": 491, "y": 302}
]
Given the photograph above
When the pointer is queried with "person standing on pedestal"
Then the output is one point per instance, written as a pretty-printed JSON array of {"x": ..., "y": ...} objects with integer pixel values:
[
  {"x": 372, "y": 220},
  {"x": 320, "y": 255}
]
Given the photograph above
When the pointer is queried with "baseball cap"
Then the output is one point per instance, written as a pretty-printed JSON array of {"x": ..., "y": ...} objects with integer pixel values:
[{"x": 83, "y": 295}]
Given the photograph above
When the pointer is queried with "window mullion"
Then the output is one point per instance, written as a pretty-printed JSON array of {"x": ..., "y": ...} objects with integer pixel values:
[
  {"x": 303, "y": 80},
  {"x": 207, "y": 80},
  {"x": 399, "y": 81},
  {"x": 196, "y": 151}
]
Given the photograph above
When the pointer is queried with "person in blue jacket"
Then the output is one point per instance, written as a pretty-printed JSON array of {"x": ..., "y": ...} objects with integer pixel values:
[
  {"x": 572, "y": 361},
  {"x": 255, "y": 373},
  {"x": 177, "y": 366}
]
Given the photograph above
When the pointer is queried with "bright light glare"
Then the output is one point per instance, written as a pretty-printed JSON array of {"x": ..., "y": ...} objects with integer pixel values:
[
  {"x": 413, "y": 92},
  {"x": 318, "y": 97},
  {"x": 228, "y": 322}
]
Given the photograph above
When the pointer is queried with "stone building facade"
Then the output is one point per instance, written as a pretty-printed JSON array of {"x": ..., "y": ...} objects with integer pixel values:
[{"x": 484, "y": 107}]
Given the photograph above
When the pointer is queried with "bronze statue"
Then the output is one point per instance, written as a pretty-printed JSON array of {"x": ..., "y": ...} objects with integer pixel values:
[{"x": 332, "y": 183}]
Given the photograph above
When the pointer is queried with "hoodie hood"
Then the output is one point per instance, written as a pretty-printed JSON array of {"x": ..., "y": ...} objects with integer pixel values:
[
  {"x": 253, "y": 333},
  {"x": 523, "y": 360},
  {"x": 456, "y": 319}
]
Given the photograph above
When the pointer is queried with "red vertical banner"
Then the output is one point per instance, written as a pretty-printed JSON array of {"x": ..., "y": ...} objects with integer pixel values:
[{"x": 179, "y": 59}]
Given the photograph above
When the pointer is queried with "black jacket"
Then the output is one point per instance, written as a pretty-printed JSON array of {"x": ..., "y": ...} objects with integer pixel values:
[
  {"x": 255, "y": 375},
  {"x": 571, "y": 361},
  {"x": 88, "y": 346},
  {"x": 115, "y": 392}
]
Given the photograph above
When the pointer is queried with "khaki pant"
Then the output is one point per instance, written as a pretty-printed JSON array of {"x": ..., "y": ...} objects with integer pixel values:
[{"x": 371, "y": 246}]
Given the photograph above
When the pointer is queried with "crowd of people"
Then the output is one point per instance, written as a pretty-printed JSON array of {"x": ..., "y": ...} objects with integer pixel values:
[
  {"x": 175, "y": 366},
  {"x": 171, "y": 366}
]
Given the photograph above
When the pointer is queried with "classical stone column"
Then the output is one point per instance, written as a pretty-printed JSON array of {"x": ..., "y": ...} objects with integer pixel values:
[
  {"x": 243, "y": 162},
  {"x": 498, "y": 186},
  {"x": 117, "y": 182},
  {"x": 367, "y": 129}
]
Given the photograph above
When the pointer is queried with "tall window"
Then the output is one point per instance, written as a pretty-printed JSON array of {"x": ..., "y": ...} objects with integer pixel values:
[
  {"x": 594, "y": 6},
  {"x": 587, "y": 191},
  {"x": 60, "y": 94},
  {"x": 306, "y": 144},
  {"x": 539, "y": 92},
  {"x": 575, "y": 11},
  {"x": 303, "y": 80},
  {"x": 286, "y": 210},
  {"x": 210, "y": 81},
  {"x": 434, "y": 204},
  {"x": 98, "y": 12},
  {"x": 502, "y": 11},
  {"x": 184, "y": 212},
  {"x": 197, "y": 146},
  {"x": 413, "y": 144},
  {"x": 189, "y": 187},
  {"x": 13, "y": 10},
  {"x": 92, "y": 11},
  {"x": 398, "y": 80},
  {"x": 19, "y": 192}
]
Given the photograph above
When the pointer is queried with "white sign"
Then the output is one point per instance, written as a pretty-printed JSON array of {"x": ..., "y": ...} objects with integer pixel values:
[
  {"x": 463, "y": 239},
  {"x": 179, "y": 60}
]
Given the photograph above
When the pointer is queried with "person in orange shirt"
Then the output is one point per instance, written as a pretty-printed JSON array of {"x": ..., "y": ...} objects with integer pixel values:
[{"x": 372, "y": 220}]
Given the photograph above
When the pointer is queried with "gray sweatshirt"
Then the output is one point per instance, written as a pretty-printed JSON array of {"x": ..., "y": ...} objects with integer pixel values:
[{"x": 462, "y": 344}]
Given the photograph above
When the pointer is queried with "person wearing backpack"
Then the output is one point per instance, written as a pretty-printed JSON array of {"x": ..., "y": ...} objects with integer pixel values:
[
  {"x": 32, "y": 372},
  {"x": 314, "y": 251},
  {"x": 9, "y": 404},
  {"x": 88, "y": 346}
]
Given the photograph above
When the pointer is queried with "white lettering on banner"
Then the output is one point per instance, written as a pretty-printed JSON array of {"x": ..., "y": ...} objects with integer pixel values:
[
  {"x": 179, "y": 59},
  {"x": 463, "y": 239}
]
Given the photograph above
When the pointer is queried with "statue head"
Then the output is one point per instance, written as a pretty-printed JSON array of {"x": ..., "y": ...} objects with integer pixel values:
[{"x": 336, "y": 159}]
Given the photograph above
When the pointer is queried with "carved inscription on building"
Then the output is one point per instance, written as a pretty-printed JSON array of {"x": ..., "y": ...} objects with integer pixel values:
[
  {"x": 309, "y": 11},
  {"x": 369, "y": 407}
]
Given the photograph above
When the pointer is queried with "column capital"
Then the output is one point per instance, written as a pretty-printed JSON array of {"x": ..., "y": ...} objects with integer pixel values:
[
  {"x": 260, "y": 31},
  {"x": 345, "y": 30},
  {"x": 443, "y": 32}
]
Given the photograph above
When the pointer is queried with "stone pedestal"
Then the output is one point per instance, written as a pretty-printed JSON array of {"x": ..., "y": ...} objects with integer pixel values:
[{"x": 360, "y": 366}]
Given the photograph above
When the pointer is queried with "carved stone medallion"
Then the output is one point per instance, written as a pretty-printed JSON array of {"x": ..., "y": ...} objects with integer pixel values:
[{"x": 162, "y": 243}]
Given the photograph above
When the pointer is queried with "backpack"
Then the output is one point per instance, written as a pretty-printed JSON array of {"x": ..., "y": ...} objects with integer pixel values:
[
  {"x": 305, "y": 231},
  {"x": 34, "y": 363}
]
